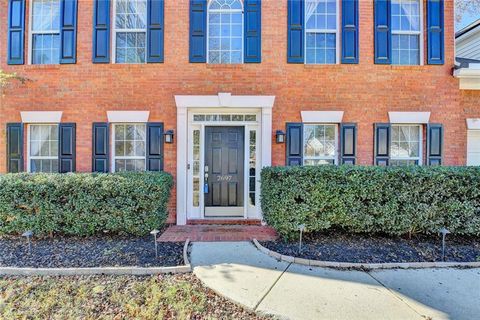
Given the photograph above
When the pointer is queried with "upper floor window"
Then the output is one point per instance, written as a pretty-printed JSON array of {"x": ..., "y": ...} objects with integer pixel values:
[
  {"x": 319, "y": 144},
  {"x": 130, "y": 31},
  {"x": 321, "y": 31},
  {"x": 406, "y": 32},
  {"x": 225, "y": 31},
  {"x": 43, "y": 148},
  {"x": 45, "y": 32},
  {"x": 406, "y": 145}
]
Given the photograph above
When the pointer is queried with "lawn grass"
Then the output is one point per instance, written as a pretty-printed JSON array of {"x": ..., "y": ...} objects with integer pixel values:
[{"x": 113, "y": 297}]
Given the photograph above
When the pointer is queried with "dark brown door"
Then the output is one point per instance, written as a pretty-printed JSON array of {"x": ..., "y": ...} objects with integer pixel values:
[{"x": 224, "y": 168}]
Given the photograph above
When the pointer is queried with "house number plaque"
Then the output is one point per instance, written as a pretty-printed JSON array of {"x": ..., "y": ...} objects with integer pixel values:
[{"x": 224, "y": 178}]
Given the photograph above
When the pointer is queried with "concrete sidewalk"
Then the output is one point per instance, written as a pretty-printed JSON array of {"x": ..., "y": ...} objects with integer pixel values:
[{"x": 243, "y": 274}]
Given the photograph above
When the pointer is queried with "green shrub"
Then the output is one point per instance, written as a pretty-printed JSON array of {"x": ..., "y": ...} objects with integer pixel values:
[
  {"x": 393, "y": 200},
  {"x": 84, "y": 204}
]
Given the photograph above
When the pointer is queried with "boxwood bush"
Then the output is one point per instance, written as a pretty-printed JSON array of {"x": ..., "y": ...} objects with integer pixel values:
[
  {"x": 393, "y": 200},
  {"x": 84, "y": 204}
]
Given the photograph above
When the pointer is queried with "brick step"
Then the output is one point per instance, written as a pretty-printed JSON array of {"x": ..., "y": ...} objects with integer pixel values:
[
  {"x": 225, "y": 222},
  {"x": 217, "y": 233}
]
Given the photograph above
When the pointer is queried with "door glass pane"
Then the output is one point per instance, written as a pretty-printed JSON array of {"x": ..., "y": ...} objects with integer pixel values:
[{"x": 196, "y": 168}]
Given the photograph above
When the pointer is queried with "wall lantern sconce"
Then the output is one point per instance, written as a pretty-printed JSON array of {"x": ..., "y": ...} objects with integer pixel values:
[
  {"x": 169, "y": 136},
  {"x": 280, "y": 136}
]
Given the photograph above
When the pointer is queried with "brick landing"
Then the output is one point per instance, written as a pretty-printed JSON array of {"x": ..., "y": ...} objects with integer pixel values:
[{"x": 217, "y": 233}]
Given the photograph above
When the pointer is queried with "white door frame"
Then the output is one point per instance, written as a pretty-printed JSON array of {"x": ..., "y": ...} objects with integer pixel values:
[{"x": 216, "y": 103}]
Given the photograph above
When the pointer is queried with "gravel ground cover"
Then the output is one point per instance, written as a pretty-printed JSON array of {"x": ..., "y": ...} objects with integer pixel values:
[
  {"x": 343, "y": 247},
  {"x": 114, "y": 297},
  {"x": 89, "y": 252}
]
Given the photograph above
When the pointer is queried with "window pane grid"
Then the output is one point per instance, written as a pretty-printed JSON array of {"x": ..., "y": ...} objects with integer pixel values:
[
  {"x": 321, "y": 31},
  {"x": 225, "y": 32},
  {"x": 405, "y": 145},
  {"x": 46, "y": 32},
  {"x": 130, "y": 31},
  {"x": 43, "y": 148},
  {"x": 252, "y": 167},
  {"x": 406, "y": 32},
  {"x": 196, "y": 168},
  {"x": 319, "y": 144},
  {"x": 129, "y": 147}
]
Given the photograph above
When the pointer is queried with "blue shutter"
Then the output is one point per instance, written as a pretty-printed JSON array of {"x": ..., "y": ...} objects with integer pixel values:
[
  {"x": 350, "y": 31},
  {"x": 198, "y": 31},
  {"x": 100, "y": 147},
  {"x": 435, "y": 36},
  {"x": 382, "y": 144},
  {"x": 294, "y": 156},
  {"x": 155, "y": 31},
  {"x": 154, "y": 146},
  {"x": 16, "y": 31},
  {"x": 68, "y": 31},
  {"x": 66, "y": 147},
  {"x": 14, "y": 147},
  {"x": 295, "y": 41},
  {"x": 383, "y": 32},
  {"x": 101, "y": 32},
  {"x": 253, "y": 31},
  {"x": 348, "y": 143},
  {"x": 434, "y": 144}
]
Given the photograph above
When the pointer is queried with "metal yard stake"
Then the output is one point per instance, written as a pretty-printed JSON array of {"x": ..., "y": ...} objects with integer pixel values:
[
  {"x": 154, "y": 233},
  {"x": 28, "y": 234},
  {"x": 301, "y": 228},
  {"x": 444, "y": 233}
]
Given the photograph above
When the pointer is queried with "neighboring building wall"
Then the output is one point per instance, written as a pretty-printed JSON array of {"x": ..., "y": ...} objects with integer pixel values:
[
  {"x": 468, "y": 45},
  {"x": 366, "y": 92}
]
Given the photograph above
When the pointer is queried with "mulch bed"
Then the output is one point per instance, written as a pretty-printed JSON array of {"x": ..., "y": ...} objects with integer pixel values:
[
  {"x": 59, "y": 252},
  {"x": 359, "y": 248}
]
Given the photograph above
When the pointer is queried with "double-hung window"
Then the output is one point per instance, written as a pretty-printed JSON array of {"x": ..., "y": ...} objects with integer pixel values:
[
  {"x": 45, "y": 32},
  {"x": 225, "y": 31},
  {"x": 130, "y": 35},
  {"x": 320, "y": 144},
  {"x": 406, "y": 145},
  {"x": 129, "y": 147},
  {"x": 406, "y": 32},
  {"x": 43, "y": 148},
  {"x": 321, "y": 31}
]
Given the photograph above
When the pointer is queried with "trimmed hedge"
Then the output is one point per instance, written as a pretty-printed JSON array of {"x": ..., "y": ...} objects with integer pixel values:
[
  {"x": 84, "y": 204},
  {"x": 392, "y": 200}
]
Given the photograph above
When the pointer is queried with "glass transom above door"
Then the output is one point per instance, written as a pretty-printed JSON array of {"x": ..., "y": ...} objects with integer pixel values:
[{"x": 224, "y": 117}]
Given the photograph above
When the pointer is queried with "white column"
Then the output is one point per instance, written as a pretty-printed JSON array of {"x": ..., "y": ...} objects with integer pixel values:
[
  {"x": 182, "y": 133},
  {"x": 266, "y": 137}
]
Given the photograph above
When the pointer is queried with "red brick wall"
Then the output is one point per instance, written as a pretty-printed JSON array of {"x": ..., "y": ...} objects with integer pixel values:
[{"x": 366, "y": 92}]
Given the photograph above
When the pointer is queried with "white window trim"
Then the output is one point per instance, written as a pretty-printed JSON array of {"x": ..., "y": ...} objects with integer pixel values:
[
  {"x": 418, "y": 33},
  {"x": 114, "y": 35},
  {"x": 335, "y": 156},
  {"x": 337, "y": 38},
  {"x": 208, "y": 29},
  {"x": 31, "y": 33},
  {"x": 420, "y": 144},
  {"x": 30, "y": 157},
  {"x": 112, "y": 142}
]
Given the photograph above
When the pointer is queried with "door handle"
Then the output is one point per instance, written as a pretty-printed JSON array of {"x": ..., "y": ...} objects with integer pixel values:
[{"x": 206, "y": 169}]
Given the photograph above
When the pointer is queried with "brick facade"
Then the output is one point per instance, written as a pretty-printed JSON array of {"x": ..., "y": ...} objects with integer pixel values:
[{"x": 366, "y": 92}]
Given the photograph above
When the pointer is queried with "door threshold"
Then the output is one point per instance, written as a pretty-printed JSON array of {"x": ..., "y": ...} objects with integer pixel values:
[{"x": 225, "y": 221}]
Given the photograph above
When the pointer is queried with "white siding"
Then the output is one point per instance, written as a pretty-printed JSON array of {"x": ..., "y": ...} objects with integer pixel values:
[
  {"x": 469, "y": 47},
  {"x": 473, "y": 148}
]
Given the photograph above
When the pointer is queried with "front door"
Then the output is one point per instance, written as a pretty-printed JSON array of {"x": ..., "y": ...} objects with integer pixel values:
[{"x": 224, "y": 171}]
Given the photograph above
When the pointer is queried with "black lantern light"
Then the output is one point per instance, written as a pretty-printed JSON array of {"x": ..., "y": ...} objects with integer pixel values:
[
  {"x": 280, "y": 136},
  {"x": 169, "y": 136}
]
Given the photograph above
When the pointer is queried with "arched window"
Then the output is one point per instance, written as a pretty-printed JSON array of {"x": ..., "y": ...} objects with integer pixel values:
[{"x": 225, "y": 31}]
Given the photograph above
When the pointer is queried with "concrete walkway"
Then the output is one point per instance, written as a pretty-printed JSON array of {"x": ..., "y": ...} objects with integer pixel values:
[{"x": 243, "y": 274}]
